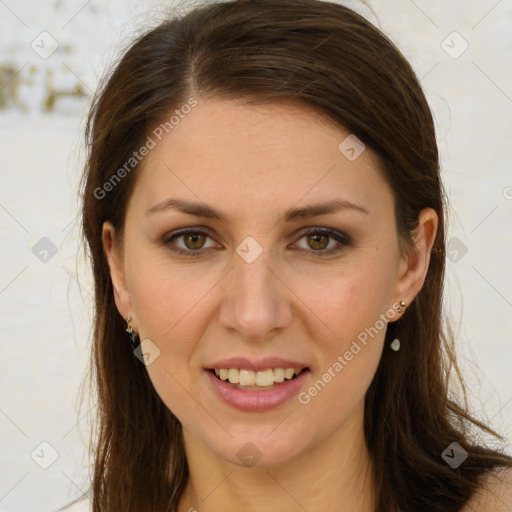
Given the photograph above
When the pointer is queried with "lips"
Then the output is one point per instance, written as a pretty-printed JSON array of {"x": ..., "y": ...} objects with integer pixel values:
[{"x": 256, "y": 385}]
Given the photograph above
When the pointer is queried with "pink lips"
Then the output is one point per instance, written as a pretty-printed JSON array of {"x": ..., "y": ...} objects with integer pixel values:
[{"x": 257, "y": 401}]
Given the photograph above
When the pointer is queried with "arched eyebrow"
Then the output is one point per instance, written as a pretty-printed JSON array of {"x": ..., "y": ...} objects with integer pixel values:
[{"x": 206, "y": 211}]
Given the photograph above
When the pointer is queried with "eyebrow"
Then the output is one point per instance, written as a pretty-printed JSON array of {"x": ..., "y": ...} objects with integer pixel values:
[{"x": 203, "y": 210}]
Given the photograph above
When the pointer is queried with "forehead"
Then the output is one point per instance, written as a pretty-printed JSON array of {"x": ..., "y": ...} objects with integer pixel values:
[{"x": 228, "y": 152}]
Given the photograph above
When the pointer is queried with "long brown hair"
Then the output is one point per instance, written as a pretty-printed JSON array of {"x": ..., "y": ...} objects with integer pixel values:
[{"x": 328, "y": 57}]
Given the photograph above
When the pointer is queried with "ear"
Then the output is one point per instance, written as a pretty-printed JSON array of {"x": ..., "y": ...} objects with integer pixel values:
[
  {"x": 112, "y": 253},
  {"x": 413, "y": 267}
]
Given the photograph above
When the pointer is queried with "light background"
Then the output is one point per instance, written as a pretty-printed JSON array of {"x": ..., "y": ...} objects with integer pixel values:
[{"x": 46, "y": 306}]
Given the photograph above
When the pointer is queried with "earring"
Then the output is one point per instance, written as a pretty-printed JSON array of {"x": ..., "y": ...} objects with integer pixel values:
[
  {"x": 132, "y": 335},
  {"x": 395, "y": 344}
]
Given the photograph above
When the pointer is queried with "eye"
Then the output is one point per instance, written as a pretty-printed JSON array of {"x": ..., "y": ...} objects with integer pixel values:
[
  {"x": 193, "y": 241},
  {"x": 318, "y": 240}
]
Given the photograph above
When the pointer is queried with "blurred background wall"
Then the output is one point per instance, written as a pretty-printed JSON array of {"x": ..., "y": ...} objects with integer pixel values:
[{"x": 52, "y": 55}]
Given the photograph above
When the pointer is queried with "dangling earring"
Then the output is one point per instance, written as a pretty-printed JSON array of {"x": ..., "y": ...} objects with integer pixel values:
[
  {"x": 132, "y": 335},
  {"x": 395, "y": 344}
]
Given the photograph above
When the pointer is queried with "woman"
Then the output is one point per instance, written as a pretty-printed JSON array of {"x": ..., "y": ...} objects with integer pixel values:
[{"x": 265, "y": 218}]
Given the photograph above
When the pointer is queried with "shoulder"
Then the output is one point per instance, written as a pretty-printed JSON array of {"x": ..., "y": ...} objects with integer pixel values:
[{"x": 496, "y": 495}]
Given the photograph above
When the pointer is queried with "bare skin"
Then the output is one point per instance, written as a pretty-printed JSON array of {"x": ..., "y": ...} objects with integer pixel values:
[{"x": 253, "y": 164}]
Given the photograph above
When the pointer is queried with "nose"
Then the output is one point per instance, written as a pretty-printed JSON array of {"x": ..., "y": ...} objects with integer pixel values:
[{"x": 256, "y": 301}]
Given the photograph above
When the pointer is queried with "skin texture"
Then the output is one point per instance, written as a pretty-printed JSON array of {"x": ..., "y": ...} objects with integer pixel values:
[{"x": 253, "y": 164}]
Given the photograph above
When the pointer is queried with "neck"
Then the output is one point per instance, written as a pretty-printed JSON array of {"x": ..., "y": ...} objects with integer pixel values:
[{"x": 333, "y": 476}]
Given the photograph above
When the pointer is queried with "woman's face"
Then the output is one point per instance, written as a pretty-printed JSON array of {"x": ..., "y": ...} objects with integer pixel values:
[{"x": 274, "y": 283}]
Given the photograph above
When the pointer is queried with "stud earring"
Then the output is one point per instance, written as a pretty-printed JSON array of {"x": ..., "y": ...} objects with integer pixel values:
[
  {"x": 402, "y": 306},
  {"x": 132, "y": 335}
]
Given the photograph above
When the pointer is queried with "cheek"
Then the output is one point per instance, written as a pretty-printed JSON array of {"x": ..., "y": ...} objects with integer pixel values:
[
  {"x": 165, "y": 302},
  {"x": 349, "y": 299},
  {"x": 349, "y": 352},
  {"x": 165, "y": 296},
  {"x": 354, "y": 309},
  {"x": 165, "y": 305},
  {"x": 356, "y": 317}
]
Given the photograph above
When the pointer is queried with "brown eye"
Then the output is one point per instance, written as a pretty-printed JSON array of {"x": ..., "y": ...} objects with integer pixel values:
[
  {"x": 188, "y": 242},
  {"x": 318, "y": 241},
  {"x": 194, "y": 241}
]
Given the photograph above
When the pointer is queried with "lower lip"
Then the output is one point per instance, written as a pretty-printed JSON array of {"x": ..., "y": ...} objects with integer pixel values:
[{"x": 257, "y": 401}]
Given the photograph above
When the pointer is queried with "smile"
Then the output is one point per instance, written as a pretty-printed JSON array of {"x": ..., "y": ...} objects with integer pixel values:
[
  {"x": 245, "y": 379},
  {"x": 276, "y": 386}
]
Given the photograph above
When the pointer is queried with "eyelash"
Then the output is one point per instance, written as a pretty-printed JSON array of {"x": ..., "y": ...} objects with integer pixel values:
[{"x": 344, "y": 240}]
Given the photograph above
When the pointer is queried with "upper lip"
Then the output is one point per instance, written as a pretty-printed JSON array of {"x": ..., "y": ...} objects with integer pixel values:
[{"x": 262, "y": 364}]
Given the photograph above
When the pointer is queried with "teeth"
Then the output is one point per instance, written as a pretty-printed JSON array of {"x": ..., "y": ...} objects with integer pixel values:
[
  {"x": 279, "y": 375},
  {"x": 265, "y": 378},
  {"x": 261, "y": 378},
  {"x": 248, "y": 378},
  {"x": 233, "y": 375}
]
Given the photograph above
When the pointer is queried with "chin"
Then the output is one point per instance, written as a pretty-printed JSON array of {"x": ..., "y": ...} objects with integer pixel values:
[{"x": 255, "y": 447}]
